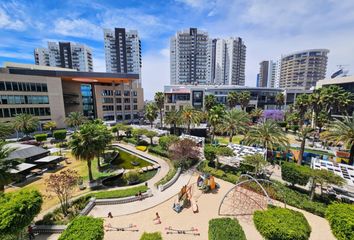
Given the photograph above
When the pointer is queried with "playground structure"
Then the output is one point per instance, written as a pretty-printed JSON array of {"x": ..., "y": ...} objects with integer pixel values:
[
  {"x": 242, "y": 201},
  {"x": 192, "y": 231},
  {"x": 206, "y": 183},
  {"x": 130, "y": 228},
  {"x": 186, "y": 198}
]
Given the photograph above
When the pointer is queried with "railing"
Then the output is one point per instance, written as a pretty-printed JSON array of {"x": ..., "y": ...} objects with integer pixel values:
[
  {"x": 49, "y": 228},
  {"x": 163, "y": 187}
]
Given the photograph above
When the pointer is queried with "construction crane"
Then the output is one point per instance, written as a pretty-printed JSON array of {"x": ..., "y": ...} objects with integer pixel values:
[{"x": 341, "y": 72}]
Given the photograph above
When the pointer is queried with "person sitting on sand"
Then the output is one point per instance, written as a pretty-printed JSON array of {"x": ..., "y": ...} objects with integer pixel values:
[
  {"x": 157, "y": 220},
  {"x": 110, "y": 215}
]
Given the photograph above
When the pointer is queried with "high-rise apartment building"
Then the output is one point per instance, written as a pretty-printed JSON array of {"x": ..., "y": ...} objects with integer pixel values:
[
  {"x": 190, "y": 57},
  {"x": 301, "y": 70},
  {"x": 268, "y": 74},
  {"x": 228, "y": 61},
  {"x": 122, "y": 51},
  {"x": 65, "y": 55}
]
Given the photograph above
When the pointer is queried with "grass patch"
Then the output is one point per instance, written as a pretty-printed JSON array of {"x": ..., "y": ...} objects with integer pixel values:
[
  {"x": 119, "y": 193},
  {"x": 225, "y": 140},
  {"x": 126, "y": 159},
  {"x": 168, "y": 177}
]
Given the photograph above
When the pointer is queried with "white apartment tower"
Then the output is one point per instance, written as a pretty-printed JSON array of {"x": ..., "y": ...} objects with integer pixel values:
[
  {"x": 190, "y": 57},
  {"x": 269, "y": 74},
  {"x": 66, "y": 55},
  {"x": 122, "y": 51},
  {"x": 228, "y": 61}
]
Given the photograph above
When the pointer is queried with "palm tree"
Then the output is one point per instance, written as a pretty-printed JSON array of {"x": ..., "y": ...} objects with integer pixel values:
[
  {"x": 301, "y": 105},
  {"x": 6, "y": 130},
  {"x": 335, "y": 98},
  {"x": 5, "y": 165},
  {"x": 343, "y": 132},
  {"x": 84, "y": 143},
  {"x": 51, "y": 125},
  {"x": 210, "y": 101},
  {"x": 303, "y": 134},
  {"x": 151, "y": 112},
  {"x": 267, "y": 134},
  {"x": 234, "y": 122},
  {"x": 104, "y": 138},
  {"x": 26, "y": 123},
  {"x": 75, "y": 119},
  {"x": 280, "y": 99},
  {"x": 160, "y": 103},
  {"x": 190, "y": 116},
  {"x": 232, "y": 99},
  {"x": 215, "y": 117},
  {"x": 244, "y": 98},
  {"x": 173, "y": 118},
  {"x": 256, "y": 114}
]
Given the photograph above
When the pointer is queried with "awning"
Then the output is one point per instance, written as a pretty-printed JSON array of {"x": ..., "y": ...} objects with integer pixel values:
[
  {"x": 22, "y": 167},
  {"x": 48, "y": 159}
]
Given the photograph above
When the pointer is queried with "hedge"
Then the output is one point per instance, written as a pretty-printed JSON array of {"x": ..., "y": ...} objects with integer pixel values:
[
  {"x": 17, "y": 210},
  {"x": 225, "y": 229},
  {"x": 295, "y": 174},
  {"x": 158, "y": 150},
  {"x": 84, "y": 228},
  {"x": 341, "y": 219},
  {"x": 151, "y": 236},
  {"x": 130, "y": 140},
  {"x": 219, "y": 173},
  {"x": 59, "y": 134},
  {"x": 282, "y": 224},
  {"x": 210, "y": 152},
  {"x": 40, "y": 137}
]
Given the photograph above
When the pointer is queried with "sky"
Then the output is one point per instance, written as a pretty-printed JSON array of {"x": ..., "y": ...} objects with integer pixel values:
[{"x": 269, "y": 29}]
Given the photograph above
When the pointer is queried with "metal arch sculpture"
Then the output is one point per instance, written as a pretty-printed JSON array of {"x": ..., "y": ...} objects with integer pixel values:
[{"x": 238, "y": 193}]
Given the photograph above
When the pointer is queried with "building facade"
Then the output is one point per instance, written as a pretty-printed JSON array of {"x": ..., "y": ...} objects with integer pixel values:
[
  {"x": 177, "y": 96},
  {"x": 268, "y": 74},
  {"x": 190, "y": 57},
  {"x": 122, "y": 51},
  {"x": 301, "y": 70},
  {"x": 52, "y": 93},
  {"x": 65, "y": 55},
  {"x": 228, "y": 61}
]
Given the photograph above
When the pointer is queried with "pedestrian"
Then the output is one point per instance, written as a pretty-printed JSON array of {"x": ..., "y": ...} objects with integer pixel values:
[
  {"x": 157, "y": 220},
  {"x": 30, "y": 232},
  {"x": 110, "y": 215}
]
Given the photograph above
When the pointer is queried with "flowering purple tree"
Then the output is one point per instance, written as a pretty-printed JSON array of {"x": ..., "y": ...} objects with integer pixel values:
[{"x": 276, "y": 115}]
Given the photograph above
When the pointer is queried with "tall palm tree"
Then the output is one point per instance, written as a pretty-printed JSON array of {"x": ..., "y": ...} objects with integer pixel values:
[
  {"x": 267, "y": 134},
  {"x": 215, "y": 117},
  {"x": 335, "y": 98},
  {"x": 343, "y": 132},
  {"x": 75, "y": 119},
  {"x": 232, "y": 99},
  {"x": 210, "y": 101},
  {"x": 173, "y": 118},
  {"x": 280, "y": 99},
  {"x": 301, "y": 105},
  {"x": 26, "y": 123},
  {"x": 160, "y": 103},
  {"x": 234, "y": 122},
  {"x": 84, "y": 143},
  {"x": 303, "y": 134},
  {"x": 151, "y": 113},
  {"x": 244, "y": 98},
  {"x": 5, "y": 165},
  {"x": 190, "y": 116},
  {"x": 256, "y": 114}
]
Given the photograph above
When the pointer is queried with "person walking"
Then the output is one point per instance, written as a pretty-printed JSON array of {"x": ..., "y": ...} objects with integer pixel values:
[{"x": 30, "y": 232}]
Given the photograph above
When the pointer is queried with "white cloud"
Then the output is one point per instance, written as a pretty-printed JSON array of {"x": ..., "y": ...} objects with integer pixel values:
[
  {"x": 78, "y": 28},
  {"x": 7, "y": 22},
  {"x": 155, "y": 73},
  {"x": 16, "y": 55}
]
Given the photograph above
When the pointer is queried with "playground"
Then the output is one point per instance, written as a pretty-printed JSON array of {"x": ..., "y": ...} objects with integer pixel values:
[{"x": 188, "y": 223}]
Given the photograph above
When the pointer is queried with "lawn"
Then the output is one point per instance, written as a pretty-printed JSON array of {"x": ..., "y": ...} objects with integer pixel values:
[{"x": 225, "y": 140}]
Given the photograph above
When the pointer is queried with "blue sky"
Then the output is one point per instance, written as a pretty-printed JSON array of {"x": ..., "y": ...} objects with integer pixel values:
[{"x": 269, "y": 28}]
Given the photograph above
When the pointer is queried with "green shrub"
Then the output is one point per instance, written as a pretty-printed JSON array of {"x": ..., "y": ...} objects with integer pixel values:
[
  {"x": 171, "y": 173},
  {"x": 166, "y": 141},
  {"x": 158, "y": 150},
  {"x": 132, "y": 176},
  {"x": 59, "y": 135},
  {"x": 295, "y": 174},
  {"x": 142, "y": 142},
  {"x": 210, "y": 152},
  {"x": 40, "y": 137},
  {"x": 225, "y": 229},
  {"x": 295, "y": 128},
  {"x": 130, "y": 140},
  {"x": 84, "y": 228},
  {"x": 219, "y": 173},
  {"x": 282, "y": 224},
  {"x": 151, "y": 236},
  {"x": 121, "y": 193},
  {"x": 17, "y": 210},
  {"x": 341, "y": 218},
  {"x": 282, "y": 124}
]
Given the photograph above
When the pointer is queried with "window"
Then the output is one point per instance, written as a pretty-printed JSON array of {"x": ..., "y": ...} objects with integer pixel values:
[
  {"x": 135, "y": 93},
  {"x": 118, "y": 93},
  {"x": 107, "y": 93},
  {"x": 39, "y": 87},
  {"x": 126, "y": 100},
  {"x": 6, "y": 112},
  {"x": 15, "y": 86},
  {"x": 127, "y": 107},
  {"x": 107, "y": 100},
  {"x": 126, "y": 93},
  {"x": 135, "y": 107},
  {"x": 44, "y": 87},
  {"x": 135, "y": 100},
  {"x": 107, "y": 108},
  {"x": 8, "y": 86},
  {"x": 127, "y": 116},
  {"x": 2, "y": 86},
  {"x": 118, "y": 100}
]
